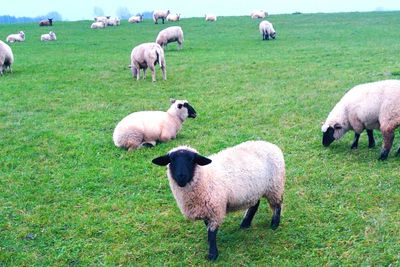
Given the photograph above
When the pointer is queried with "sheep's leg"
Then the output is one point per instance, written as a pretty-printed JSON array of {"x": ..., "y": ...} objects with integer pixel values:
[
  {"x": 246, "y": 222},
  {"x": 144, "y": 73},
  {"x": 164, "y": 73},
  {"x": 148, "y": 144},
  {"x": 355, "y": 141},
  {"x": 371, "y": 139},
  {"x": 162, "y": 20},
  {"x": 212, "y": 242},
  {"x": 276, "y": 217},
  {"x": 153, "y": 73},
  {"x": 388, "y": 136}
]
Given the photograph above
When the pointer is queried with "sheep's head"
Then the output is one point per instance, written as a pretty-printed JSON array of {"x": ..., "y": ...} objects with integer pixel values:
[
  {"x": 332, "y": 133},
  {"x": 182, "y": 164},
  {"x": 182, "y": 108},
  {"x": 273, "y": 35}
]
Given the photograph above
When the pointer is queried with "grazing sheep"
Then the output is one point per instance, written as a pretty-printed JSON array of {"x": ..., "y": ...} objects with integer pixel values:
[
  {"x": 368, "y": 106},
  {"x": 18, "y": 37},
  {"x": 136, "y": 19},
  {"x": 267, "y": 30},
  {"x": 103, "y": 19},
  {"x": 210, "y": 17},
  {"x": 233, "y": 179},
  {"x": 147, "y": 55},
  {"x": 98, "y": 25},
  {"x": 6, "y": 57},
  {"x": 258, "y": 14},
  {"x": 51, "y": 36},
  {"x": 169, "y": 35},
  {"x": 113, "y": 22},
  {"x": 48, "y": 22},
  {"x": 160, "y": 14},
  {"x": 146, "y": 127},
  {"x": 172, "y": 17}
]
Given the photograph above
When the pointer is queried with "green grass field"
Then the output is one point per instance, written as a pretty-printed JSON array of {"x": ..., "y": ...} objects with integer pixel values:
[{"x": 68, "y": 197}]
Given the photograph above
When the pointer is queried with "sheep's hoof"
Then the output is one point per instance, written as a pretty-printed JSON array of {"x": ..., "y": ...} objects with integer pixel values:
[
  {"x": 213, "y": 257},
  {"x": 384, "y": 155},
  {"x": 245, "y": 225},
  {"x": 354, "y": 146},
  {"x": 371, "y": 145}
]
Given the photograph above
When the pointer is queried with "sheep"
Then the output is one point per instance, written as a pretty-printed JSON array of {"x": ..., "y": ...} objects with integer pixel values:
[
  {"x": 160, "y": 14},
  {"x": 144, "y": 128},
  {"x": 258, "y": 14},
  {"x": 368, "y": 106},
  {"x": 48, "y": 22},
  {"x": 210, "y": 17},
  {"x": 169, "y": 35},
  {"x": 51, "y": 36},
  {"x": 147, "y": 55},
  {"x": 6, "y": 57},
  {"x": 98, "y": 25},
  {"x": 206, "y": 188},
  {"x": 18, "y": 37},
  {"x": 136, "y": 19},
  {"x": 113, "y": 21},
  {"x": 267, "y": 30},
  {"x": 172, "y": 17},
  {"x": 103, "y": 19}
]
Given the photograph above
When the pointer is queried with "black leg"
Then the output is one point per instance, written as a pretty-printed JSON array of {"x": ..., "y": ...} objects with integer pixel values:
[
  {"x": 246, "y": 222},
  {"x": 212, "y": 241},
  {"x": 355, "y": 141},
  {"x": 276, "y": 217},
  {"x": 398, "y": 152},
  {"x": 371, "y": 139},
  {"x": 388, "y": 137}
]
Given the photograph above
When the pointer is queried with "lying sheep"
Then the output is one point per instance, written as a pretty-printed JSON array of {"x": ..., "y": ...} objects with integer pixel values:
[
  {"x": 6, "y": 57},
  {"x": 136, "y": 19},
  {"x": 147, "y": 55},
  {"x": 146, "y": 127},
  {"x": 51, "y": 36},
  {"x": 368, "y": 106},
  {"x": 18, "y": 37},
  {"x": 103, "y": 19},
  {"x": 160, "y": 14},
  {"x": 113, "y": 21},
  {"x": 210, "y": 17},
  {"x": 172, "y": 17},
  {"x": 267, "y": 30},
  {"x": 169, "y": 35},
  {"x": 233, "y": 179},
  {"x": 258, "y": 14},
  {"x": 98, "y": 25},
  {"x": 48, "y": 22}
]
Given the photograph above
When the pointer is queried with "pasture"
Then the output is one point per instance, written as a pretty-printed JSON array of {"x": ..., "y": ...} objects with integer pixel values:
[{"x": 69, "y": 197}]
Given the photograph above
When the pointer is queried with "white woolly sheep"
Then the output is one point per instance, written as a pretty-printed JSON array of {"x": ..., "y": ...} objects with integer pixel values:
[
  {"x": 147, "y": 55},
  {"x": 136, "y": 19},
  {"x": 236, "y": 178},
  {"x": 18, "y": 37},
  {"x": 169, "y": 35},
  {"x": 258, "y": 14},
  {"x": 210, "y": 17},
  {"x": 98, "y": 25},
  {"x": 51, "y": 36},
  {"x": 144, "y": 128},
  {"x": 113, "y": 21},
  {"x": 6, "y": 57},
  {"x": 103, "y": 19},
  {"x": 267, "y": 30},
  {"x": 368, "y": 106},
  {"x": 172, "y": 17},
  {"x": 160, "y": 14}
]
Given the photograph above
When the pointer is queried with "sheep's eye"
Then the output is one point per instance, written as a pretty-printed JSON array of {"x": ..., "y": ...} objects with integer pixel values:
[
  {"x": 179, "y": 106},
  {"x": 337, "y": 127}
]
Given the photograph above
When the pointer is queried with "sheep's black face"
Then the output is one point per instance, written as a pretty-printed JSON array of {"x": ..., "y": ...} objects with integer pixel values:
[
  {"x": 328, "y": 137},
  {"x": 273, "y": 35},
  {"x": 191, "y": 111}
]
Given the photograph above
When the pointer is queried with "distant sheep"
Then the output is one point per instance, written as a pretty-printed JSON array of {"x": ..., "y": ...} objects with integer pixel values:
[
  {"x": 135, "y": 19},
  {"x": 267, "y": 30},
  {"x": 51, "y": 36},
  {"x": 98, "y": 25},
  {"x": 145, "y": 56},
  {"x": 103, "y": 19},
  {"x": 113, "y": 21},
  {"x": 210, "y": 17},
  {"x": 169, "y": 35},
  {"x": 236, "y": 178},
  {"x": 258, "y": 14},
  {"x": 48, "y": 22},
  {"x": 6, "y": 57},
  {"x": 146, "y": 127},
  {"x": 18, "y": 37},
  {"x": 368, "y": 106},
  {"x": 172, "y": 17},
  {"x": 160, "y": 14}
]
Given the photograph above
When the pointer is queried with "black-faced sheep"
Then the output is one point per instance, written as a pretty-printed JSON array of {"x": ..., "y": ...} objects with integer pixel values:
[
  {"x": 267, "y": 30},
  {"x": 6, "y": 57},
  {"x": 169, "y": 35},
  {"x": 145, "y": 56},
  {"x": 48, "y": 22},
  {"x": 160, "y": 14}
]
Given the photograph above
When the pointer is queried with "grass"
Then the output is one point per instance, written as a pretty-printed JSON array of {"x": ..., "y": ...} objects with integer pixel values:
[{"x": 68, "y": 197}]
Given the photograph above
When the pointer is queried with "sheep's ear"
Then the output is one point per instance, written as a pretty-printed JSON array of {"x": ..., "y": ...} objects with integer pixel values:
[
  {"x": 202, "y": 160},
  {"x": 172, "y": 100},
  {"x": 162, "y": 161}
]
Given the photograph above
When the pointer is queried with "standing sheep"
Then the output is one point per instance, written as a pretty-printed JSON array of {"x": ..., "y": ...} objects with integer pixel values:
[
  {"x": 172, "y": 17},
  {"x": 136, "y": 19},
  {"x": 258, "y": 14},
  {"x": 6, "y": 57},
  {"x": 169, "y": 35},
  {"x": 103, "y": 19},
  {"x": 210, "y": 17},
  {"x": 233, "y": 179},
  {"x": 48, "y": 22},
  {"x": 147, "y": 55},
  {"x": 98, "y": 25},
  {"x": 146, "y": 127},
  {"x": 368, "y": 106},
  {"x": 51, "y": 36},
  {"x": 160, "y": 14},
  {"x": 267, "y": 30},
  {"x": 113, "y": 21},
  {"x": 18, "y": 37}
]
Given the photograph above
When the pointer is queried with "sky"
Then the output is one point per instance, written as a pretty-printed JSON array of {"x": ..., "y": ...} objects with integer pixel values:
[{"x": 84, "y": 9}]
